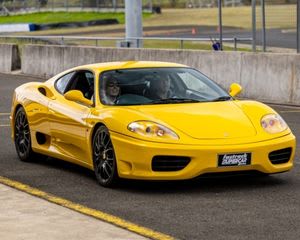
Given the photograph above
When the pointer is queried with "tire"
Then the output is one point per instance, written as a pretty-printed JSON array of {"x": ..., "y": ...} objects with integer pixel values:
[
  {"x": 104, "y": 158},
  {"x": 22, "y": 137}
]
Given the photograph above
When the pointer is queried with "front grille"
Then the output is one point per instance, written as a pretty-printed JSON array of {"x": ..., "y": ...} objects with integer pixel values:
[
  {"x": 280, "y": 156},
  {"x": 169, "y": 163}
]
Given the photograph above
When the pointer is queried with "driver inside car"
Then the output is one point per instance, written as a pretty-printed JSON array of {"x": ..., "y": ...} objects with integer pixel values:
[{"x": 111, "y": 90}]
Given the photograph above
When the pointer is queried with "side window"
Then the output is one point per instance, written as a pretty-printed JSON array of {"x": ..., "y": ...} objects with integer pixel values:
[
  {"x": 83, "y": 81},
  {"x": 90, "y": 78},
  {"x": 62, "y": 82}
]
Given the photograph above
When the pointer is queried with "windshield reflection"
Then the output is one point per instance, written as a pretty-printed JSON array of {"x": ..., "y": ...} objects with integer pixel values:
[{"x": 158, "y": 86}]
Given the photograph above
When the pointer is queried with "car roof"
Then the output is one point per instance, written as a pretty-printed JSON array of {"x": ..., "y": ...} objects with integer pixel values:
[
  {"x": 129, "y": 64},
  {"x": 106, "y": 66}
]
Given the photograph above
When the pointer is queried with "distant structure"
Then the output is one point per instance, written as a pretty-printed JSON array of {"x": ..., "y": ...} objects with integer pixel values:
[{"x": 69, "y": 5}]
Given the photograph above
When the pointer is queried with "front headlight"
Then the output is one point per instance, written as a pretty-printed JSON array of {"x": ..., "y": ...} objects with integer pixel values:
[
  {"x": 152, "y": 129},
  {"x": 273, "y": 123}
]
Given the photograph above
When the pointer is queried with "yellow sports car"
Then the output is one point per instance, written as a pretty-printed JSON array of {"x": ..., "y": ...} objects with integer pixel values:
[{"x": 147, "y": 120}]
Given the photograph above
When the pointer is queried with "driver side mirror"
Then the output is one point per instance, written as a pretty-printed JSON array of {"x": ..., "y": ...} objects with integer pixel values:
[
  {"x": 235, "y": 89},
  {"x": 77, "y": 96}
]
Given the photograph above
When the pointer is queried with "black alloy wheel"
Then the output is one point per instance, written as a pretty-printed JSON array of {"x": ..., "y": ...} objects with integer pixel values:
[
  {"x": 104, "y": 158},
  {"x": 22, "y": 136}
]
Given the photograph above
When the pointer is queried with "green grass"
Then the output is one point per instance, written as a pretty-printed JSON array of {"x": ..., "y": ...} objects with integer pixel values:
[
  {"x": 56, "y": 17},
  {"x": 277, "y": 16}
]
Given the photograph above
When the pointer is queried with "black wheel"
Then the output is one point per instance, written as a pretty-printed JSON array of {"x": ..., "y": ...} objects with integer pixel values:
[
  {"x": 104, "y": 158},
  {"x": 22, "y": 137}
]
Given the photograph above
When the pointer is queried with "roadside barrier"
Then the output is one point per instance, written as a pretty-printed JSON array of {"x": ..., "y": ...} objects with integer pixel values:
[{"x": 9, "y": 57}]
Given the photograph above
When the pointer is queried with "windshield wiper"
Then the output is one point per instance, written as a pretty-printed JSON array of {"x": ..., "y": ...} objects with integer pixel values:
[
  {"x": 222, "y": 98},
  {"x": 174, "y": 100}
]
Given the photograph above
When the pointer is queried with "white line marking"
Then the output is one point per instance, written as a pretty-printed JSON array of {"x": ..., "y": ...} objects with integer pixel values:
[
  {"x": 290, "y": 111},
  {"x": 4, "y": 125},
  {"x": 4, "y": 114},
  {"x": 284, "y": 106}
]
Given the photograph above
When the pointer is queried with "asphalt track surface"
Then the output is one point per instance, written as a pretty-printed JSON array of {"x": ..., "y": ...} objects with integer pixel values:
[
  {"x": 280, "y": 38},
  {"x": 244, "y": 207}
]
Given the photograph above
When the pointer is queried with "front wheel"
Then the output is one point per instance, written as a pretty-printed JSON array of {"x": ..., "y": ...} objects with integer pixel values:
[{"x": 104, "y": 158}]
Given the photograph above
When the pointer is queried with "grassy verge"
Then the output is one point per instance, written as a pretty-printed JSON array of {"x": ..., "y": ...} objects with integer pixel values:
[
  {"x": 277, "y": 16},
  {"x": 56, "y": 17}
]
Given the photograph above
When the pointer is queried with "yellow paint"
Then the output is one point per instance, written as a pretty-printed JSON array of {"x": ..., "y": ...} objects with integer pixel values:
[
  {"x": 146, "y": 232},
  {"x": 204, "y": 129}
]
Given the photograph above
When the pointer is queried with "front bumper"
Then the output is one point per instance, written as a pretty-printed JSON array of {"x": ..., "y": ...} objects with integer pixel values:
[{"x": 134, "y": 157}]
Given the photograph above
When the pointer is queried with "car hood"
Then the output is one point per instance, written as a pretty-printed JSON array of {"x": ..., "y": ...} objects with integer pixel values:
[{"x": 214, "y": 120}]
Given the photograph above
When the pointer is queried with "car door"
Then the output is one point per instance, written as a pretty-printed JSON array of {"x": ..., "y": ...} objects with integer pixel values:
[{"x": 68, "y": 125}]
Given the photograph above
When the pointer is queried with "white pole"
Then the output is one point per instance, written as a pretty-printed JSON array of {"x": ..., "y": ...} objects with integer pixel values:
[
  {"x": 253, "y": 25},
  {"x": 134, "y": 26}
]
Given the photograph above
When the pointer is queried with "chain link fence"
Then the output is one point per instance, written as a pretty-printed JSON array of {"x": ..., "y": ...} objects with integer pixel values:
[{"x": 280, "y": 25}]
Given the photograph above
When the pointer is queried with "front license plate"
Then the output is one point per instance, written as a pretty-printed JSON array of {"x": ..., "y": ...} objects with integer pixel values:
[{"x": 235, "y": 159}]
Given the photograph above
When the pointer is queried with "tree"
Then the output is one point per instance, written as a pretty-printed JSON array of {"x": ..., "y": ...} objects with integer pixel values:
[
  {"x": 173, "y": 3},
  {"x": 90, "y": 3}
]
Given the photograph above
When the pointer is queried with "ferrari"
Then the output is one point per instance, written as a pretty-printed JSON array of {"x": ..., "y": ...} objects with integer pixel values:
[{"x": 149, "y": 121}]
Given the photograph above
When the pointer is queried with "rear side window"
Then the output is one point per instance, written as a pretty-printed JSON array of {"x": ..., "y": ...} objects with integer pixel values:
[{"x": 62, "y": 82}]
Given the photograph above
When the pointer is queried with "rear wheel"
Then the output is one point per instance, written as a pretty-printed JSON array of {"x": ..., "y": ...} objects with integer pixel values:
[
  {"x": 104, "y": 158},
  {"x": 22, "y": 136}
]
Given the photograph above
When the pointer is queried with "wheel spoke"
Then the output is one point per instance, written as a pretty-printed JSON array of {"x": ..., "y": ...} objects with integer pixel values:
[
  {"x": 26, "y": 140},
  {"x": 109, "y": 166},
  {"x": 25, "y": 146},
  {"x": 99, "y": 142},
  {"x": 101, "y": 138},
  {"x": 103, "y": 174},
  {"x": 106, "y": 171},
  {"x": 108, "y": 142},
  {"x": 109, "y": 159},
  {"x": 97, "y": 146}
]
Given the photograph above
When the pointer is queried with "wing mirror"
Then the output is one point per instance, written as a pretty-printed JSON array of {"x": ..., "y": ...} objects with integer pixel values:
[
  {"x": 77, "y": 96},
  {"x": 235, "y": 89}
]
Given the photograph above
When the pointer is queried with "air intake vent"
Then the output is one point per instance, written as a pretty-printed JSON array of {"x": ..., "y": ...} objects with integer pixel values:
[
  {"x": 169, "y": 163},
  {"x": 42, "y": 91},
  {"x": 280, "y": 156}
]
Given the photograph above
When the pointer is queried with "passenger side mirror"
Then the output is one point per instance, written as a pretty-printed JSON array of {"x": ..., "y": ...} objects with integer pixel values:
[
  {"x": 235, "y": 89},
  {"x": 77, "y": 96}
]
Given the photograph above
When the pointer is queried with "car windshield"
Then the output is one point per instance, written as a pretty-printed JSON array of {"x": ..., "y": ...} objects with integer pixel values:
[{"x": 158, "y": 86}]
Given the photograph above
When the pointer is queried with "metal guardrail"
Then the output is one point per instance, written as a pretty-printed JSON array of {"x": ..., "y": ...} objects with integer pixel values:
[{"x": 62, "y": 39}]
